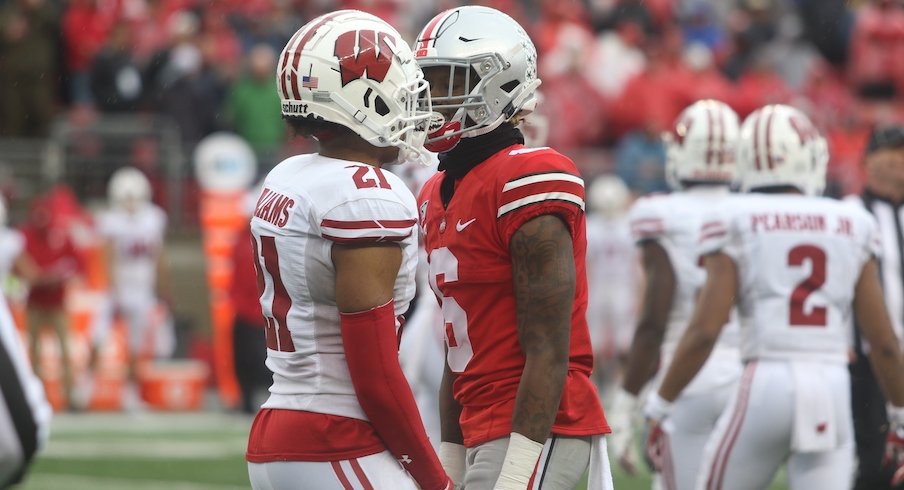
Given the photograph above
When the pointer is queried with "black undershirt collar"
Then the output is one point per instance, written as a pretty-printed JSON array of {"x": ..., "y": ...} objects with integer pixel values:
[{"x": 470, "y": 152}]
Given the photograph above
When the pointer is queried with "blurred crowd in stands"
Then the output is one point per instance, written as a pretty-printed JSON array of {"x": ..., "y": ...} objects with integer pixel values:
[{"x": 615, "y": 72}]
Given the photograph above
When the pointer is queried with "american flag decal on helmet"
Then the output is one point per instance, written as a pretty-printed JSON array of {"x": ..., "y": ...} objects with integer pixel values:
[{"x": 307, "y": 81}]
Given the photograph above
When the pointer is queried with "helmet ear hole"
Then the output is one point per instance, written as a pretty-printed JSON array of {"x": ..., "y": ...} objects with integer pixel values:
[
  {"x": 380, "y": 106},
  {"x": 510, "y": 87}
]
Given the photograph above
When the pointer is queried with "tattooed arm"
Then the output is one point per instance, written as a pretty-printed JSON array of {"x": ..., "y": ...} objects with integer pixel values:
[{"x": 544, "y": 279}]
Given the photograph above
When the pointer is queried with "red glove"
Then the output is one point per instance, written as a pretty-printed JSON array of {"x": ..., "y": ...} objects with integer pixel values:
[
  {"x": 654, "y": 445},
  {"x": 894, "y": 453}
]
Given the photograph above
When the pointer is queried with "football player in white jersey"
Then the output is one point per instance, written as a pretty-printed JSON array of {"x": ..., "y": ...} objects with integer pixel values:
[
  {"x": 12, "y": 244},
  {"x": 133, "y": 229},
  {"x": 24, "y": 411},
  {"x": 798, "y": 266},
  {"x": 335, "y": 242},
  {"x": 611, "y": 259},
  {"x": 701, "y": 166},
  {"x": 13, "y": 258}
]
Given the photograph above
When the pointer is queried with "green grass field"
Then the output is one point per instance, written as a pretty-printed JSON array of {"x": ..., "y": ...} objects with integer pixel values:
[{"x": 151, "y": 451}]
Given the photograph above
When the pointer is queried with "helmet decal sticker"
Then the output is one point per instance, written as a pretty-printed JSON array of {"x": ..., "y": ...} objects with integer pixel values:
[{"x": 373, "y": 57}]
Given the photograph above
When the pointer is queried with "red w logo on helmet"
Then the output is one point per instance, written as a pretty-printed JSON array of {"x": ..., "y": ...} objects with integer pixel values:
[{"x": 373, "y": 55}]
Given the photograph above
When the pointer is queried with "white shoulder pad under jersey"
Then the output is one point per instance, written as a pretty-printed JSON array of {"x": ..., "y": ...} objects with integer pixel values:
[
  {"x": 798, "y": 260},
  {"x": 674, "y": 222},
  {"x": 12, "y": 243},
  {"x": 308, "y": 204}
]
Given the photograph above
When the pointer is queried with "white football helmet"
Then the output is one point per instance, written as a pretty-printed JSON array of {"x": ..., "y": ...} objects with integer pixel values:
[
  {"x": 780, "y": 146},
  {"x": 495, "y": 54},
  {"x": 702, "y": 146},
  {"x": 352, "y": 68},
  {"x": 608, "y": 195},
  {"x": 128, "y": 189}
]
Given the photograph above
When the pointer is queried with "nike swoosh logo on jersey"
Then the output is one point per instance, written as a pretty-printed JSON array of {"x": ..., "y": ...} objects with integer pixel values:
[{"x": 461, "y": 226}]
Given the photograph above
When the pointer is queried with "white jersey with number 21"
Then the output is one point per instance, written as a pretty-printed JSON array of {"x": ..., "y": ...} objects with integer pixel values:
[{"x": 308, "y": 203}]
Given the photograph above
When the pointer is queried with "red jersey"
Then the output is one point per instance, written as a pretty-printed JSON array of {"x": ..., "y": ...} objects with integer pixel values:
[
  {"x": 53, "y": 252},
  {"x": 470, "y": 271},
  {"x": 243, "y": 289}
]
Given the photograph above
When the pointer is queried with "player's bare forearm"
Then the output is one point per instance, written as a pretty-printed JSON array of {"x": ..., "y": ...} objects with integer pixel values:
[
  {"x": 710, "y": 314},
  {"x": 872, "y": 316},
  {"x": 544, "y": 283},
  {"x": 644, "y": 355},
  {"x": 449, "y": 410}
]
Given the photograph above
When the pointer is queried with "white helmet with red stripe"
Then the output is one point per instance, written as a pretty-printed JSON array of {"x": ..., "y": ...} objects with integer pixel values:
[
  {"x": 702, "y": 145},
  {"x": 352, "y": 68},
  {"x": 129, "y": 189},
  {"x": 492, "y": 72},
  {"x": 779, "y": 146},
  {"x": 608, "y": 195}
]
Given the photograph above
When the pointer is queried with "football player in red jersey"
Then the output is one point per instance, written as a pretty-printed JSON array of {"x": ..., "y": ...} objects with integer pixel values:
[
  {"x": 335, "y": 251},
  {"x": 505, "y": 236}
]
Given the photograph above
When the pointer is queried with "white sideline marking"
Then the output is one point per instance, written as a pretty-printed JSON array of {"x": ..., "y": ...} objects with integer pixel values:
[
  {"x": 144, "y": 449},
  {"x": 148, "y": 422},
  {"x": 56, "y": 481}
]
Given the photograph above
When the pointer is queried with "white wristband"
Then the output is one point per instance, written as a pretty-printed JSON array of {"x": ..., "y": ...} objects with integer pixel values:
[
  {"x": 657, "y": 407},
  {"x": 519, "y": 464},
  {"x": 452, "y": 457},
  {"x": 895, "y": 415}
]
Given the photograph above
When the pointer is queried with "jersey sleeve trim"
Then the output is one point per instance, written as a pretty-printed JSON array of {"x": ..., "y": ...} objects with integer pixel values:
[
  {"x": 549, "y": 186},
  {"x": 712, "y": 230},
  {"x": 353, "y": 231},
  {"x": 542, "y": 177},
  {"x": 646, "y": 228}
]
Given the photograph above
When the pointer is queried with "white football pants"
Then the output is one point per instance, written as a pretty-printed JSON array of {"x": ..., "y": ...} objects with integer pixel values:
[
  {"x": 562, "y": 464},
  {"x": 755, "y": 434},
  {"x": 377, "y": 471},
  {"x": 686, "y": 431}
]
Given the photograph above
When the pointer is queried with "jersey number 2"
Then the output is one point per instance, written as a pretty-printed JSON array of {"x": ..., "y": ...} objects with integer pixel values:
[
  {"x": 797, "y": 316},
  {"x": 277, "y": 330}
]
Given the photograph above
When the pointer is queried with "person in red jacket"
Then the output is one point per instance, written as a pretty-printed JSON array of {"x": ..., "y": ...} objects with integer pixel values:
[
  {"x": 249, "y": 348},
  {"x": 50, "y": 247}
]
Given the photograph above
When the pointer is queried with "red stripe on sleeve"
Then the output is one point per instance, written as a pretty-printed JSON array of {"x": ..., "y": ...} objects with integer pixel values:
[
  {"x": 713, "y": 234},
  {"x": 365, "y": 224},
  {"x": 365, "y": 239}
]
